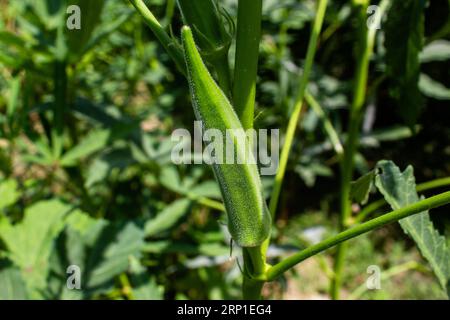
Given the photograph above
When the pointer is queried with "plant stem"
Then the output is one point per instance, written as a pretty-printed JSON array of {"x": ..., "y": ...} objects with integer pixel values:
[
  {"x": 338, "y": 267},
  {"x": 222, "y": 68},
  {"x": 248, "y": 36},
  {"x": 359, "y": 93},
  {"x": 246, "y": 60},
  {"x": 251, "y": 289},
  {"x": 433, "y": 184},
  {"x": 59, "y": 106},
  {"x": 254, "y": 269},
  {"x": 393, "y": 216},
  {"x": 364, "y": 51},
  {"x": 328, "y": 126},
  {"x": 171, "y": 47},
  {"x": 370, "y": 208},
  {"x": 292, "y": 126}
]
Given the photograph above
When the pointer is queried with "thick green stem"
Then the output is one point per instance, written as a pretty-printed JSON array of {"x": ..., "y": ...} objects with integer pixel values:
[
  {"x": 248, "y": 37},
  {"x": 251, "y": 289},
  {"x": 255, "y": 268},
  {"x": 246, "y": 61},
  {"x": 171, "y": 47},
  {"x": 293, "y": 122},
  {"x": 423, "y": 205}
]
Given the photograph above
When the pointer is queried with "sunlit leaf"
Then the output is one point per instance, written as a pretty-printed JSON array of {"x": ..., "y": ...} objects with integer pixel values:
[
  {"x": 93, "y": 142},
  {"x": 12, "y": 285},
  {"x": 29, "y": 243},
  {"x": 167, "y": 218},
  {"x": 8, "y": 193},
  {"x": 399, "y": 190}
]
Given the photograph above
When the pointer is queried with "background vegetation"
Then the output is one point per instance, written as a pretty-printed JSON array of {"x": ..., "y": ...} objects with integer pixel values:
[{"x": 86, "y": 176}]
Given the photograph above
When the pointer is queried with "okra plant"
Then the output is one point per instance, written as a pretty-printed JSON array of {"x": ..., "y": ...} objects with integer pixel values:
[{"x": 223, "y": 99}]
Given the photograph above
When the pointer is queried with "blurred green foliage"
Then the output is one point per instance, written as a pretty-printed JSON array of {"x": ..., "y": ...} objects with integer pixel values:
[{"x": 101, "y": 191}]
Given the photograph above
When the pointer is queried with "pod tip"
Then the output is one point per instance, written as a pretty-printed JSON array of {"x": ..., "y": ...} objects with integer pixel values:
[{"x": 186, "y": 30}]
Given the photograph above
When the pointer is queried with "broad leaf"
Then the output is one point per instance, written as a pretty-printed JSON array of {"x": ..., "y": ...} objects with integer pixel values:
[
  {"x": 360, "y": 188},
  {"x": 144, "y": 286},
  {"x": 8, "y": 193},
  {"x": 12, "y": 285},
  {"x": 167, "y": 218},
  {"x": 95, "y": 141},
  {"x": 399, "y": 190},
  {"x": 29, "y": 243},
  {"x": 102, "y": 250}
]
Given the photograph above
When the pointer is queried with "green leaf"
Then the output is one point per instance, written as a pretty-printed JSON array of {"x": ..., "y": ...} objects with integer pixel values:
[
  {"x": 29, "y": 243},
  {"x": 99, "y": 169},
  {"x": 399, "y": 190},
  {"x": 360, "y": 189},
  {"x": 95, "y": 141},
  {"x": 404, "y": 42},
  {"x": 208, "y": 189},
  {"x": 433, "y": 89},
  {"x": 170, "y": 179},
  {"x": 12, "y": 285},
  {"x": 14, "y": 52},
  {"x": 438, "y": 50},
  {"x": 50, "y": 12},
  {"x": 14, "y": 96},
  {"x": 8, "y": 193},
  {"x": 104, "y": 263},
  {"x": 107, "y": 28},
  {"x": 102, "y": 250},
  {"x": 167, "y": 218},
  {"x": 94, "y": 113},
  {"x": 144, "y": 286}
]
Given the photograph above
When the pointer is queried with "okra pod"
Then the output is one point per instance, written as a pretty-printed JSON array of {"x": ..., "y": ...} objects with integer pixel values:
[{"x": 249, "y": 220}]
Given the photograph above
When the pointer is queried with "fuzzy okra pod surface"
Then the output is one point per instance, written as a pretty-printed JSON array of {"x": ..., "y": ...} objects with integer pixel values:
[{"x": 249, "y": 220}]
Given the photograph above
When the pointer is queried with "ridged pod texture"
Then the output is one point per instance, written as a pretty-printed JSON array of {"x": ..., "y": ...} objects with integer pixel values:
[{"x": 249, "y": 220}]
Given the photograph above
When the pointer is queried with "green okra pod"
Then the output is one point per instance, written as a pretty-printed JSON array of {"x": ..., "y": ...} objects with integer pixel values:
[{"x": 249, "y": 220}]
